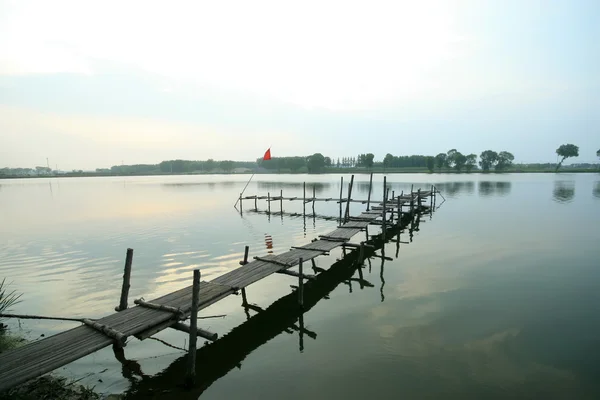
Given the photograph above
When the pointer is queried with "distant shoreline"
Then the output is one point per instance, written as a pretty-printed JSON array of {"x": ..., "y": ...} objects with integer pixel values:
[{"x": 328, "y": 172}]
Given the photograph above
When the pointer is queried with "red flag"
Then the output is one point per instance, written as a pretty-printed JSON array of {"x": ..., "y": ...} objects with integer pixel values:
[{"x": 267, "y": 155}]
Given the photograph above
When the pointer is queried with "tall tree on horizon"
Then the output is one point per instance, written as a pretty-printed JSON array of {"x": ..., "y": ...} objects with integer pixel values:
[{"x": 566, "y": 151}]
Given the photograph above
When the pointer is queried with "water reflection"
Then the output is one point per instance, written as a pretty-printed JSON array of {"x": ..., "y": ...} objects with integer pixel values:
[
  {"x": 454, "y": 188},
  {"x": 596, "y": 191},
  {"x": 564, "y": 191},
  {"x": 194, "y": 185},
  {"x": 216, "y": 359},
  {"x": 490, "y": 188},
  {"x": 276, "y": 186}
]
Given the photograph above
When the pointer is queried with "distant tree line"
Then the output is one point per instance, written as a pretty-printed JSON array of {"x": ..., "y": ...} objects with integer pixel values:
[
  {"x": 455, "y": 160},
  {"x": 415, "y": 161}
]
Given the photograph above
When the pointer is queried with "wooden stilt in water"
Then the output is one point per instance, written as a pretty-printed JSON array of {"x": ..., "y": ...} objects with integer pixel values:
[
  {"x": 419, "y": 199},
  {"x": 361, "y": 255},
  {"x": 244, "y": 262},
  {"x": 304, "y": 199},
  {"x": 341, "y": 194},
  {"x": 399, "y": 211},
  {"x": 240, "y": 203},
  {"x": 255, "y": 203},
  {"x": 393, "y": 194},
  {"x": 269, "y": 201},
  {"x": 384, "y": 206},
  {"x": 431, "y": 197},
  {"x": 314, "y": 197},
  {"x": 300, "y": 284},
  {"x": 347, "y": 213},
  {"x": 369, "y": 195},
  {"x": 191, "y": 373},
  {"x": 126, "y": 281},
  {"x": 281, "y": 201}
]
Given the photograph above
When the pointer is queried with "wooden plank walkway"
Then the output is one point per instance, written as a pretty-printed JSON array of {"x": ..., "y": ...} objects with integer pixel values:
[{"x": 35, "y": 359}]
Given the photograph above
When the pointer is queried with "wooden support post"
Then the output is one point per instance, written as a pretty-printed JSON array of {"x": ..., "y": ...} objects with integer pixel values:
[
  {"x": 361, "y": 255},
  {"x": 431, "y": 197},
  {"x": 393, "y": 194},
  {"x": 387, "y": 194},
  {"x": 269, "y": 201},
  {"x": 341, "y": 193},
  {"x": 369, "y": 195},
  {"x": 191, "y": 373},
  {"x": 384, "y": 205},
  {"x": 314, "y": 197},
  {"x": 300, "y": 285},
  {"x": 126, "y": 279},
  {"x": 419, "y": 199},
  {"x": 347, "y": 213},
  {"x": 255, "y": 203},
  {"x": 281, "y": 201},
  {"x": 244, "y": 262},
  {"x": 399, "y": 216},
  {"x": 314, "y": 264},
  {"x": 304, "y": 199},
  {"x": 240, "y": 202}
]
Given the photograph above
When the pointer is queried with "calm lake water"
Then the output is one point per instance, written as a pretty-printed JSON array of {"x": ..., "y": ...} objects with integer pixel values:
[{"x": 497, "y": 295}]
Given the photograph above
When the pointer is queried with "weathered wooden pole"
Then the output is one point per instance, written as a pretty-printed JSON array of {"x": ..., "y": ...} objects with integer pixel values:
[
  {"x": 255, "y": 203},
  {"x": 304, "y": 199},
  {"x": 244, "y": 262},
  {"x": 369, "y": 195},
  {"x": 269, "y": 201},
  {"x": 401, "y": 204},
  {"x": 240, "y": 202},
  {"x": 399, "y": 211},
  {"x": 393, "y": 194},
  {"x": 281, "y": 201},
  {"x": 419, "y": 199},
  {"x": 347, "y": 213},
  {"x": 314, "y": 198},
  {"x": 191, "y": 373},
  {"x": 126, "y": 279},
  {"x": 431, "y": 196},
  {"x": 384, "y": 206},
  {"x": 300, "y": 284},
  {"x": 361, "y": 254},
  {"x": 341, "y": 193}
]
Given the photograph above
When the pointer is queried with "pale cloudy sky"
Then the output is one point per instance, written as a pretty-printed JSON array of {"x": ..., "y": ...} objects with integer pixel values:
[{"x": 95, "y": 83}]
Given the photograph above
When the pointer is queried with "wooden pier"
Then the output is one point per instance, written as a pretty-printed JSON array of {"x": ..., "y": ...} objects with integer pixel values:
[{"x": 147, "y": 318}]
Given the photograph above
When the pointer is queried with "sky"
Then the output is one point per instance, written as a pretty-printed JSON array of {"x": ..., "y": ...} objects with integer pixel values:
[{"x": 90, "y": 84}]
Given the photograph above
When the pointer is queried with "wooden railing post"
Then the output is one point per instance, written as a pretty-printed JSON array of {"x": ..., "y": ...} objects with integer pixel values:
[
  {"x": 126, "y": 281},
  {"x": 244, "y": 262},
  {"x": 369, "y": 195},
  {"x": 191, "y": 373},
  {"x": 347, "y": 213},
  {"x": 384, "y": 206},
  {"x": 341, "y": 194},
  {"x": 300, "y": 284},
  {"x": 304, "y": 199}
]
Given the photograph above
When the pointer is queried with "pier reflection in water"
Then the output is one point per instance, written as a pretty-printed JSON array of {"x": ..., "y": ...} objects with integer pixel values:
[{"x": 216, "y": 359}]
